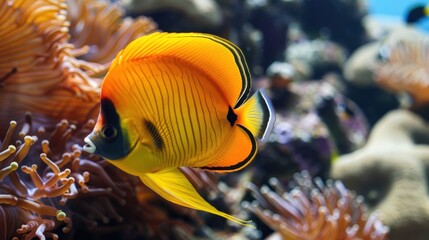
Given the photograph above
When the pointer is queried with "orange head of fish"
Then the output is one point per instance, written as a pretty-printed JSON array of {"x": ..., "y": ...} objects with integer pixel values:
[{"x": 109, "y": 138}]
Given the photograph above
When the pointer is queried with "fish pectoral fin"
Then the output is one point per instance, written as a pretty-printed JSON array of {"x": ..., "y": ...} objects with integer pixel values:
[
  {"x": 237, "y": 152},
  {"x": 172, "y": 185}
]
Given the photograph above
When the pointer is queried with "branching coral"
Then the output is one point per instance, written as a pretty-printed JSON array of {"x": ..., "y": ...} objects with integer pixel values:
[
  {"x": 42, "y": 180},
  {"x": 21, "y": 197},
  {"x": 406, "y": 69},
  {"x": 314, "y": 210}
]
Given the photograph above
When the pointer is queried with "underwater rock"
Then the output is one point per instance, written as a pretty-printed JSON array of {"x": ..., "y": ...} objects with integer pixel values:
[
  {"x": 319, "y": 56},
  {"x": 339, "y": 21},
  {"x": 390, "y": 171},
  {"x": 204, "y": 13}
]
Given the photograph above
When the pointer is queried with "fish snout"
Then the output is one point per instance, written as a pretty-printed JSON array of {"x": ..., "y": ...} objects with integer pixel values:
[{"x": 89, "y": 146}]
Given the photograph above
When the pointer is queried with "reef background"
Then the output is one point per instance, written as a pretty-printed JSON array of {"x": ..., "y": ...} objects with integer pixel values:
[{"x": 346, "y": 159}]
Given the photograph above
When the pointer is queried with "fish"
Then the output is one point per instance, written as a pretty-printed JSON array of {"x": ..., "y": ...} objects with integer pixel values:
[{"x": 173, "y": 100}]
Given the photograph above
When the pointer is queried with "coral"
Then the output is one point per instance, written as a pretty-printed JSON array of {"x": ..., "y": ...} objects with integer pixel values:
[
  {"x": 405, "y": 69},
  {"x": 101, "y": 30},
  {"x": 318, "y": 57},
  {"x": 38, "y": 66},
  {"x": 67, "y": 192},
  {"x": 359, "y": 67},
  {"x": 204, "y": 13},
  {"x": 21, "y": 197},
  {"x": 52, "y": 52},
  {"x": 314, "y": 123},
  {"x": 339, "y": 21},
  {"x": 390, "y": 171},
  {"x": 314, "y": 210}
]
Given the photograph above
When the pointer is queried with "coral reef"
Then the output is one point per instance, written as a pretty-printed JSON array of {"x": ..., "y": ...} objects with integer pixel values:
[
  {"x": 312, "y": 209},
  {"x": 390, "y": 171},
  {"x": 50, "y": 188},
  {"x": 53, "y": 55}
]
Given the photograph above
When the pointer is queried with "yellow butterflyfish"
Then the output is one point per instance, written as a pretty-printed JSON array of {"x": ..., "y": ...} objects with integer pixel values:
[{"x": 180, "y": 99}]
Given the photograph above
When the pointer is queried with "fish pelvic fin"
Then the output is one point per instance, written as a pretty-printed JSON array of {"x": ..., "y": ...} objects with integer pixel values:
[
  {"x": 257, "y": 115},
  {"x": 172, "y": 185}
]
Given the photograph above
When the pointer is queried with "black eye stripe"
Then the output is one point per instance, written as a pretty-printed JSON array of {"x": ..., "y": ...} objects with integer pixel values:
[{"x": 111, "y": 140}]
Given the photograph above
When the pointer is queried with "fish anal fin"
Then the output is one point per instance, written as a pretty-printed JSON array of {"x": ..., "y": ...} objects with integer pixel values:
[
  {"x": 236, "y": 153},
  {"x": 172, "y": 185}
]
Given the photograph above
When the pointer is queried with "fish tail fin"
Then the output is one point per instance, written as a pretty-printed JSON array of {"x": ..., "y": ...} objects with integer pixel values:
[
  {"x": 257, "y": 115},
  {"x": 172, "y": 185}
]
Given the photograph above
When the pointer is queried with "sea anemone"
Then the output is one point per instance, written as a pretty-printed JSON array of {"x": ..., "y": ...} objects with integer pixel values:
[
  {"x": 405, "y": 69},
  {"x": 39, "y": 67},
  {"x": 100, "y": 30},
  {"x": 23, "y": 197},
  {"x": 314, "y": 210}
]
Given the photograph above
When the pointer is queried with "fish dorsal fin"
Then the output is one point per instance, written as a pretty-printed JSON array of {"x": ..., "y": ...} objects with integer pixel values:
[
  {"x": 221, "y": 60},
  {"x": 172, "y": 185}
]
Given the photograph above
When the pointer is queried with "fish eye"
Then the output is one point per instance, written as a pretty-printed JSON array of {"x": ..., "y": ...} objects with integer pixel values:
[{"x": 108, "y": 132}]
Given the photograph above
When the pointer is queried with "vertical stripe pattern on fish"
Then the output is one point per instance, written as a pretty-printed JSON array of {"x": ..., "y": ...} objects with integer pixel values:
[{"x": 180, "y": 99}]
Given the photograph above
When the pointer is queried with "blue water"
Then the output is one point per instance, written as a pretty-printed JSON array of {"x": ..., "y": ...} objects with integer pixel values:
[{"x": 396, "y": 10}]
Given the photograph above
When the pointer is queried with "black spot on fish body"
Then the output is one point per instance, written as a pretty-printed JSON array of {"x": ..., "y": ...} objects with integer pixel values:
[
  {"x": 156, "y": 136},
  {"x": 231, "y": 116}
]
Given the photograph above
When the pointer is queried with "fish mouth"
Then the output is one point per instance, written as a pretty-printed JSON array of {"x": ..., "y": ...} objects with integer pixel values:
[{"x": 89, "y": 146}]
